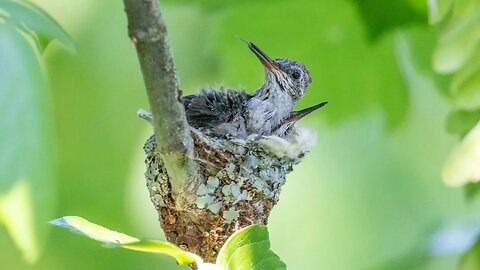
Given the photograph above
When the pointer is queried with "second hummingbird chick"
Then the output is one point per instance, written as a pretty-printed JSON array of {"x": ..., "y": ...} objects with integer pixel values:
[{"x": 267, "y": 111}]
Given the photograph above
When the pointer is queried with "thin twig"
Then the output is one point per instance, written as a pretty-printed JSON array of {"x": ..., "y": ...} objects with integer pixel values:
[
  {"x": 145, "y": 115},
  {"x": 148, "y": 32}
]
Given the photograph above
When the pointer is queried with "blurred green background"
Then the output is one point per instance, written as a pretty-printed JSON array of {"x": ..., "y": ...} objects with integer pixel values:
[{"x": 368, "y": 196}]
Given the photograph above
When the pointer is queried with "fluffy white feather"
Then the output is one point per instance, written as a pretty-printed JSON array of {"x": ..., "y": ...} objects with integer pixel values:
[{"x": 294, "y": 146}]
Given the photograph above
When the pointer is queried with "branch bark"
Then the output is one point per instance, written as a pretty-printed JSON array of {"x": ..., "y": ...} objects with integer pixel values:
[{"x": 148, "y": 32}]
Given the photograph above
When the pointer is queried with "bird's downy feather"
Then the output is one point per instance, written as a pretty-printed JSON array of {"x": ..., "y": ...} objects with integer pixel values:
[{"x": 221, "y": 112}]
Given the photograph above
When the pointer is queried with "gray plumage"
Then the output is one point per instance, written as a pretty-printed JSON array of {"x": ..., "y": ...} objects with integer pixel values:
[
  {"x": 221, "y": 112},
  {"x": 266, "y": 111}
]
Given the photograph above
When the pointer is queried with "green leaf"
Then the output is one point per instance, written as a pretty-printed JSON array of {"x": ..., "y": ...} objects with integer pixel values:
[
  {"x": 17, "y": 215},
  {"x": 463, "y": 165},
  {"x": 461, "y": 122},
  {"x": 422, "y": 41},
  {"x": 438, "y": 9},
  {"x": 249, "y": 248},
  {"x": 112, "y": 238},
  {"x": 466, "y": 84},
  {"x": 36, "y": 22},
  {"x": 27, "y": 156},
  {"x": 471, "y": 191},
  {"x": 167, "y": 248},
  {"x": 96, "y": 232},
  {"x": 459, "y": 40},
  {"x": 382, "y": 16},
  {"x": 471, "y": 259}
]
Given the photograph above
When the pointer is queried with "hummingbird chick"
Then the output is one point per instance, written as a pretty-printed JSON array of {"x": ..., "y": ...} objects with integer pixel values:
[{"x": 267, "y": 111}]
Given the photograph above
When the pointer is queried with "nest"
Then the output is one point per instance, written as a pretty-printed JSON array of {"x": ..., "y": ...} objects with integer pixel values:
[{"x": 238, "y": 184}]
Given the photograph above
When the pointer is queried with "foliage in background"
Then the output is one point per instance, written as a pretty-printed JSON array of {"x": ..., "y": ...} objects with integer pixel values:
[
  {"x": 382, "y": 17},
  {"x": 458, "y": 53},
  {"x": 361, "y": 189},
  {"x": 27, "y": 178}
]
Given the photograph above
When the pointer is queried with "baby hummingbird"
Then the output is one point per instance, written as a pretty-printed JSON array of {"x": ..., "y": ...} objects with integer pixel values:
[{"x": 267, "y": 111}]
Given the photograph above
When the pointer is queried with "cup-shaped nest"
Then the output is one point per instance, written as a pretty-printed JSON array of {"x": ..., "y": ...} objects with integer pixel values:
[{"x": 238, "y": 184}]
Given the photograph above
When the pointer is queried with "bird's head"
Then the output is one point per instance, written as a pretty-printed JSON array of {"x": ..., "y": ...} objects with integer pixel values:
[{"x": 290, "y": 76}]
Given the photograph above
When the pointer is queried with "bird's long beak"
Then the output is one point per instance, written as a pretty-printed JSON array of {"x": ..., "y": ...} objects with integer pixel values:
[
  {"x": 295, "y": 116},
  {"x": 263, "y": 57}
]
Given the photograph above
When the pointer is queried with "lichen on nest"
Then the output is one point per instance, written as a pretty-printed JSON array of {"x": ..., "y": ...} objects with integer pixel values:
[
  {"x": 238, "y": 184},
  {"x": 235, "y": 172}
]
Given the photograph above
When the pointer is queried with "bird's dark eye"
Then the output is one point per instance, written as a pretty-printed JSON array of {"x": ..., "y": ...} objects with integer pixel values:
[{"x": 296, "y": 75}]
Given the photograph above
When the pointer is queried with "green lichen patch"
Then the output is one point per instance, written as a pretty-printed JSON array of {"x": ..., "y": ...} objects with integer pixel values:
[
  {"x": 215, "y": 207},
  {"x": 204, "y": 201},
  {"x": 212, "y": 183},
  {"x": 230, "y": 215},
  {"x": 202, "y": 190}
]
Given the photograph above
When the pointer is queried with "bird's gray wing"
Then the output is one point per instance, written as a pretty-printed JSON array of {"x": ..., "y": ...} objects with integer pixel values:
[{"x": 211, "y": 108}]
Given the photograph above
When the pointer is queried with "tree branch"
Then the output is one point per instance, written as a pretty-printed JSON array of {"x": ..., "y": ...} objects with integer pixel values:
[{"x": 148, "y": 32}]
